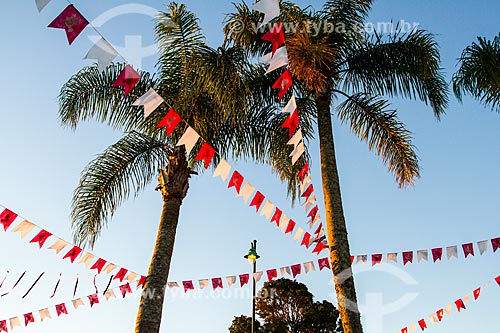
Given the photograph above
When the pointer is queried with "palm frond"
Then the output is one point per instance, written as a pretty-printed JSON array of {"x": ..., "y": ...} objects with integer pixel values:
[
  {"x": 479, "y": 73},
  {"x": 350, "y": 13},
  {"x": 125, "y": 167},
  {"x": 406, "y": 65},
  {"x": 372, "y": 121},
  {"x": 89, "y": 95}
]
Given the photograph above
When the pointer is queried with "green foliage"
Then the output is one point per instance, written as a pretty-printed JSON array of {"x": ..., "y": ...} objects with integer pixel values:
[
  {"x": 288, "y": 306},
  {"x": 479, "y": 72},
  {"x": 243, "y": 324}
]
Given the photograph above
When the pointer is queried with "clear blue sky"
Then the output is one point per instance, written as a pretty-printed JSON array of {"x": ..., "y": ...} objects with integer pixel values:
[{"x": 455, "y": 201}]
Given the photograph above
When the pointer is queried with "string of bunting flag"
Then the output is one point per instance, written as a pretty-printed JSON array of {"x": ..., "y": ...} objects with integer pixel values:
[
  {"x": 62, "y": 308},
  {"x": 440, "y": 314},
  {"x": 73, "y": 22}
]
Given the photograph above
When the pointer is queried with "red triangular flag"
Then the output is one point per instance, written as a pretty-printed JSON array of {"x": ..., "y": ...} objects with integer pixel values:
[
  {"x": 292, "y": 123},
  {"x": 244, "y": 278},
  {"x": 125, "y": 289},
  {"x": 3, "y": 326},
  {"x": 307, "y": 193},
  {"x": 188, "y": 285},
  {"x": 73, "y": 253},
  {"x": 275, "y": 36},
  {"x": 437, "y": 254},
  {"x": 7, "y": 217},
  {"x": 60, "y": 309},
  {"x": 352, "y": 259},
  {"x": 460, "y": 304},
  {"x": 303, "y": 172},
  {"x": 312, "y": 213},
  {"x": 28, "y": 318},
  {"x": 217, "y": 283},
  {"x": 236, "y": 181},
  {"x": 127, "y": 79},
  {"x": 323, "y": 263},
  {"x": 121, "y": 274},
  {"x": 404, "y": 330},
  {"x": 291, "y": 225},
  {"x": 141, "y": 281},
  {"x": 41, "y": 237},
  {"x": 497, "y": 279},
  {"x": 170, "y": 121},
  {"x": 206, "y": 154},
  {"x": 496, "y": 244},
  {"x": 94, "y": 299},
  {"x": 272, "y": 274},
  {"x": 376, "y": 259},
  {"x": 277, "y": 216},
  {"x": 284, "y": 83},
  {"x": 422, "y": 324},
  {"x": 440, "y": 314},
  {"x": 257, "y": 201},
  {"x": 407, "y": 257},
  {"x": 99, "y": 265},
  {"x": 306, "y": 240},
  {"x": 296, "y": 269},
  {"x": 71, "y": 21},
  {"x": 468, "y": 249},
  {"x": 318, "y": 230},
  {"x": 476, "y": 293},
  {"x": 320, "y": 247}
]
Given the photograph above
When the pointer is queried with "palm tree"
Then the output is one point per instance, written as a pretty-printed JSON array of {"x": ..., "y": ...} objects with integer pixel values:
[
  {"x": 210, "y": 89},
  {"x": 345, "y": 64},
  {"x": 479, "y": 72}
]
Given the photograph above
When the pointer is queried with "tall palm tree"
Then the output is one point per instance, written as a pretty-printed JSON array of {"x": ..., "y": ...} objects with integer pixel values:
[
  {"x": 358, "y": 70},
  {"x": 479, "y": 72},
  {"x": 210, "y": 89}
]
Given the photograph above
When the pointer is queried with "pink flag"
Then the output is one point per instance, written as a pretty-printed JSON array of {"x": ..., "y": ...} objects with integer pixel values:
[
  {"x": 188, "y": 285},
  {"x": 28, "y": 318},
  {"x": 141, "y": 281},
  {"x": 94, "y": 299},
  {"x": 306, "y": 240},
  {"x": 244, "y": 278},
  {"x": 3, "y": 326},
  {"x": 127, "y": 79},
  {"x": 121, "y": 274},
  {"x": 324, "y": 263},
  {"x": 272, "y": 274},
  {"x": 407, "y": 257},
  {"x": 7, "y": 217},
  {"x": 292, "y": 123},
  {"x": 296, "y": 269},
  {"x": 71, "y": 21},
  {"x": 257, "y": 201},
  {"x": 283, "y": 83},
  {"x": 496, "y": 244},
  {"x": 468, "y": 249},
  {"x": 60, "y": 309},
  {"x": 290, "y": 227},
  {"x": 125, "y": 288},
  {"x": 73, "y": 253},
  {"x": 41, "y": 237},
  {"x": 99, "y": 265},
  {"x": 206, "y": 154},
  {"x": 437, "y": 254},
  {"x": 236, "y": 181},
  {"x": 217, "y": 283},
  {"x": 170, "y": 121},
  {"x": 376, "y": 259},
  {"x": 277, "y": 216},
  {"x": 275, "y": 36}
]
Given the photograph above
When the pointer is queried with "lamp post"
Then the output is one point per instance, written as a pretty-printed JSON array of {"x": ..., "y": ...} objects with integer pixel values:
[{"x": 252, "y": 257}]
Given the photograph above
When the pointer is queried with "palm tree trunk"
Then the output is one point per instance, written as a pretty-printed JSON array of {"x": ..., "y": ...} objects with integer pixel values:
[
  {"x": 340, "y": 257},
  {"x": 174, "y": 186}
]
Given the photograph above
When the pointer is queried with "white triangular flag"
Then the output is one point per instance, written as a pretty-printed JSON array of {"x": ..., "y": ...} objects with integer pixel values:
[
  {"x": 451, "y": 251},
  {"x": 58, "y": 245},
  {"x": 413, "y": 327},
  {"x": 267, "y": 210},
  {"x": 285, "y": 270},
  {"x": 433, "y": 318},
  {"x": 40, "y": 4},
  {"x": 466, "y": 298},
  {"x": 279, "y": 59},
  {"x": 109, "y": 268},
  {"x": 299, "y": 233},
  {"x": 309, "y": 266},
  {"x": 447, "y": 309},
  {"x": 270, "y": 8},
  {"x": 483, "y": 246},
  {"x": 109, "y": 294},
  {"x": 86, "y": 259},
  {"x": 296, "y": 138},
  {"x": 24, "y": 228},
  {"x": 303, "y": 185},
  {"x": 422, "y": 255},
  {"x": 14, "y": 322},
  {"x": 172, "y": 284},
  {"x": 230, "y": 280},
  {"x": 203, "y": 283},
  {"x": 44, "y": 314},
  {"x": 311, "y": 200},
  {"x": 392, "y": 257},
  {"x": 222, "y": 170},
  {"x": 77, "y": 303},
  {"x": 257, "y": 276},
  {"x": 188, "y": 139},
  {"x": 246, "y": 191},
  {"x": 103, "y": 52},
  {"x": 297, "y": 153},
  {"x": 362, "y": 258},
  {"x": 291, "y": 106},
  {"x": 150, "y": 100},
  {"x": 131, "y": 277},
  {"x": 284, "y": 223}
]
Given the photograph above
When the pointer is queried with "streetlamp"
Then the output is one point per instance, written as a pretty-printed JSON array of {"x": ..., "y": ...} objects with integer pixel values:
[{"x": 252, "y": 257}]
